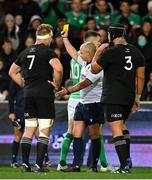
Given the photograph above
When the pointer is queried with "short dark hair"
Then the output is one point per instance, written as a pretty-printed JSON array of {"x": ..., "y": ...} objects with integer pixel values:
[
  {"x": 116, "y": 30},
  {"x": 90, "y": 33},
  {"x": 147, "y": 20},
  {"x": 125, "y": 1},
  {"x": 89, "y": 19}
]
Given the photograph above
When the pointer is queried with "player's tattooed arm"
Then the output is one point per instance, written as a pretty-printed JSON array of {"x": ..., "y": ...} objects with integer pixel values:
[
  {"x": 70, "y": 49},
  {"x": 81, "y": 85},
  {"x": 14, "y": 73}
]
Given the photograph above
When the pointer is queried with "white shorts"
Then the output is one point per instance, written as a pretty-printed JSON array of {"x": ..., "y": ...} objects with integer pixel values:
[{"x": 72, "y": 103}]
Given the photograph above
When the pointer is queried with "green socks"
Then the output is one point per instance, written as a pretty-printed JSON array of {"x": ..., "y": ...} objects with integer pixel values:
[
  {"x": 103, "y": 159},
  {"x": 65, "y": 148}
]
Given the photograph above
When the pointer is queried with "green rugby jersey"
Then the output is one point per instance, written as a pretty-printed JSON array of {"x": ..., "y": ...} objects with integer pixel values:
[
  {"x": 75, "y": 76},
  {"x": 77, "y": 21}
]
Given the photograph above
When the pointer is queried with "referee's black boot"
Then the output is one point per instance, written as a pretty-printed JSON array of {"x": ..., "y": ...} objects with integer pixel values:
[
  {"x": 72, "y": 168},
  {"x": 93, "y": 170},
  {"x": 25, "y": 168}
]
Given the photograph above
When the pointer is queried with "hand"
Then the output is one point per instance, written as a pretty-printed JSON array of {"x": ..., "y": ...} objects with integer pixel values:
[
  {"x": 64, "y": 34},
  {"x": 12, "y": 116},
  {"x": 103, "y": 47},
  {"x": 56, "y": 88},
  {"x": 63, "y": 92},
  {"x": 136, "y": 106}
]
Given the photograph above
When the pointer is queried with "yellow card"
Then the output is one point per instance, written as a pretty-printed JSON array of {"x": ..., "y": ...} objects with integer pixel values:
[{"x": 66, "y": 28}]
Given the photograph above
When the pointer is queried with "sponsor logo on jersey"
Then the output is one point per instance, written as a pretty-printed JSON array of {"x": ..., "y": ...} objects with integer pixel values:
[{"x": 116, "y": 115}]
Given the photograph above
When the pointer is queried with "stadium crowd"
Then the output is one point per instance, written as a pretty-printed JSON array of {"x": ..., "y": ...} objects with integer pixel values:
[{"x": 20, "y": 19}]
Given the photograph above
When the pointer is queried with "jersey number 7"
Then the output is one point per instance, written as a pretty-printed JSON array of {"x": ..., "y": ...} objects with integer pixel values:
[{"x": 32, "y": 57}]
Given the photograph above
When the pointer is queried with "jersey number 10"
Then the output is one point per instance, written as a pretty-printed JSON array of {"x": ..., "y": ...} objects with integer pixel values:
[
  {"x": 129, "y": 65},
  {"x": 32, "y": 57}
]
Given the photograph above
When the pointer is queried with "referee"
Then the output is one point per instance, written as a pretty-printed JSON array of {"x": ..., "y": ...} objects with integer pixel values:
[
  {"x": 39, "y": 64},
  {"x": 123, "y": 66}
]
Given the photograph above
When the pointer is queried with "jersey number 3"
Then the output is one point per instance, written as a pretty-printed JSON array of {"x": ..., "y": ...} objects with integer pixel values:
[
  {"x": 32, "y": 57},
  {"x": 129, "y": 65}
]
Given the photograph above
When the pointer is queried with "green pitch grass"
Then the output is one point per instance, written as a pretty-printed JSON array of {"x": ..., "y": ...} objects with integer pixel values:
[{"x": 10, "y": 173}]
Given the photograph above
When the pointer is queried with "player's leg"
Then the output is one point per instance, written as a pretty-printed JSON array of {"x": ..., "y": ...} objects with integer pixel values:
[
  {"x": 119, "y": 141},
  {"x": 127, "y": 137},
  {"x": 26, "y": 141},
  {"x": 115, "y": 117},
  {"x": 66, "y": 146},
  {"x": 15, "y": 147},
  {"x": 126, "y": 134},
  {"x": 46, "y": 158},
  {"x": 30, "y": 128},
  {"x": 72, "y": 103},
  {"x": 42, "y": 142},
  {"x": 45, "y": 113}
]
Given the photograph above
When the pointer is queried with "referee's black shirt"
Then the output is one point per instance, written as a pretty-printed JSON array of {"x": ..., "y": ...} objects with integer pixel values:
[
  {"x": 36, "y": 70},
  {"x": 120, "y": 63}
]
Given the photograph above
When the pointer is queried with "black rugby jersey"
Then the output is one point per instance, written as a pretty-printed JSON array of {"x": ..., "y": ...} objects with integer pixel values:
[
  {"x": 36, "y": 70},
  {"x": 120, "y": 63}
]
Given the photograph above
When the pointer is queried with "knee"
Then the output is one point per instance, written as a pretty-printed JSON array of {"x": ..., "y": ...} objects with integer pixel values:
[{"x": 76, "y": 133}]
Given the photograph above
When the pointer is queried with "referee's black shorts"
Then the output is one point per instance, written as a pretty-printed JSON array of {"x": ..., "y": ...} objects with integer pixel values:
[
  {"x": 115, "y": 112},
  {"x": 89, "y": 113},
  {"x": 39, "y": 107}
]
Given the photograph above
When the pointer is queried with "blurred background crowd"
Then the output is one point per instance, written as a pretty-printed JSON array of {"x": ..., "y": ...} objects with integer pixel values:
[{"x": 19, "y": 20}]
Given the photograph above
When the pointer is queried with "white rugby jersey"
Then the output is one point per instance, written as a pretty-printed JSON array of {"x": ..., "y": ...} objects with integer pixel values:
[{"x": 92, "y": 93}]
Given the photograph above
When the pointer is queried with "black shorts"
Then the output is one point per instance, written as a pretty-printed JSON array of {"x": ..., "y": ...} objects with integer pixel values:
[
  {"x": 90, "y": 113},
  {"x": 115, "y": 112},
  {"x": 39, "y": 107}
]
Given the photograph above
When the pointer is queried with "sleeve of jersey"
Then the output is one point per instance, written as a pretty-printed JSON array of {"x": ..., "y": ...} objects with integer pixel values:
[
  {"x": 81, "y": 61},
  {"x": 94, "y": 77},
  {"x": 51, "y": 55},
  {"x": 141, "y": 62},
  {"x": 104, "y": 59}
]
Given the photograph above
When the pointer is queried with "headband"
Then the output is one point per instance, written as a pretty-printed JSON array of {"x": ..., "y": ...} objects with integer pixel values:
[{"x": 44, "y": 36}]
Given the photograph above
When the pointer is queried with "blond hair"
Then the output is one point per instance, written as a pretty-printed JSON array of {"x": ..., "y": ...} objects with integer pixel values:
[{"x": 43, "y": 30}]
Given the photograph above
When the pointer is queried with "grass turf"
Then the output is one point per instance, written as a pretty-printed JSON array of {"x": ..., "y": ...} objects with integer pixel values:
[{"x": 10, "y": 173}]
